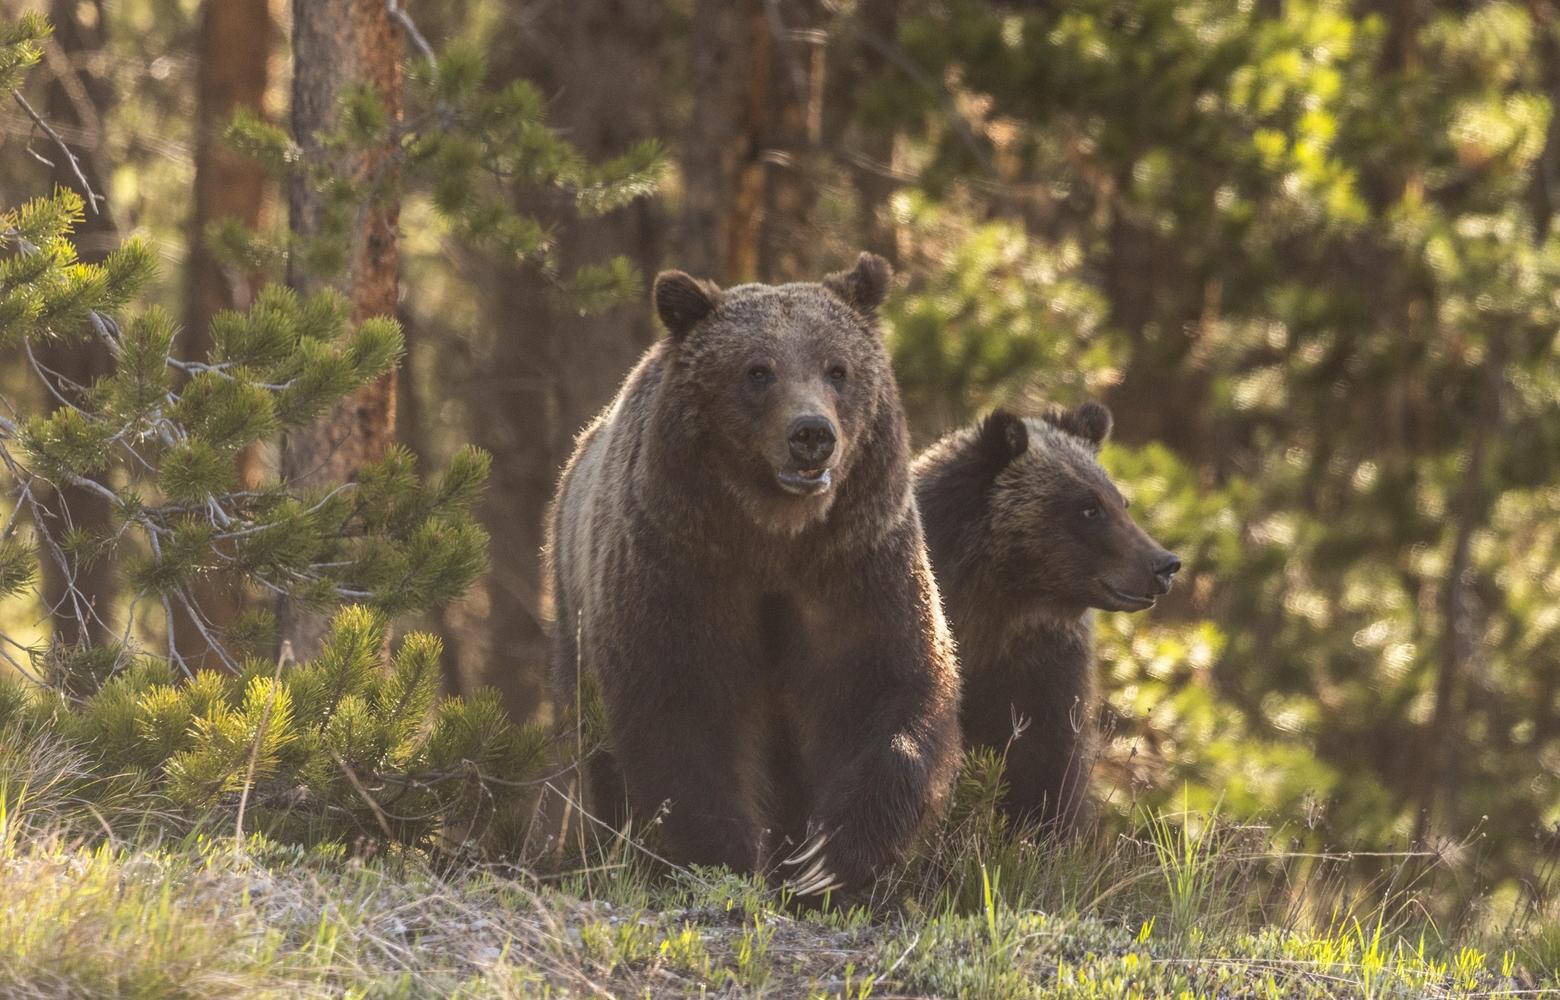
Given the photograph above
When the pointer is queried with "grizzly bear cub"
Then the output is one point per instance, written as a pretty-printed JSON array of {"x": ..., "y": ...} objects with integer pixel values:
[
  {"x": 736, "y": 561},
  {"x": 1027, "y": 534}
]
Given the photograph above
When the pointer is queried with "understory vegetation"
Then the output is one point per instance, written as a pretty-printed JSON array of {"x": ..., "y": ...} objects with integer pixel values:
[
  {"x": 273, "y": 719},
  {"x": 110, "y": 890}
]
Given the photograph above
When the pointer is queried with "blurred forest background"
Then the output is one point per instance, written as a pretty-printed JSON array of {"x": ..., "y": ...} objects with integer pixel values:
[{"x": 1304, "y": 249}]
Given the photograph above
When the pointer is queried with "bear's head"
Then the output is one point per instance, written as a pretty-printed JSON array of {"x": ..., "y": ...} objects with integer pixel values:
[
  {"x": 1061, "y": 531},
  {"x": 779, "y": 387}
]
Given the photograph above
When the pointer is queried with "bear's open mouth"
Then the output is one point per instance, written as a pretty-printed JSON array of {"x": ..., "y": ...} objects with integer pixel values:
[
  {"x": 805, "y": 482},
  {"x": 1127, "y": 601}
]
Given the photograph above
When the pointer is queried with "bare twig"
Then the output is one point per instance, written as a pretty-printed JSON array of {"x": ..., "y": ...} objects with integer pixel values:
[
  {"x": 379, "y": 814},
  {"x": 405, "y": 21},
  {"x": 93, "y": 198},
  {"x": 213, "y": 645}
]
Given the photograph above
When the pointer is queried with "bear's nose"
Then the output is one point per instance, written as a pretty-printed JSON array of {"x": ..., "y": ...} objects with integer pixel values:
[
  {"x": 812, "y": 440},
  {"x": 1165, "y": 572}
]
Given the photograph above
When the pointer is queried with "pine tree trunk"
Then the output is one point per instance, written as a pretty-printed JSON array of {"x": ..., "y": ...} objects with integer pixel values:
[
  {"x": 82, "y": 600},
  {"x": 868, "y": 147},
  {"x": 717, "y": 234},
  {"x": 752, "y": 151},
  {"x": 336, "y": 44},
  {"x": 232, "y": 64},
  {"x": 553, "y": 369}
]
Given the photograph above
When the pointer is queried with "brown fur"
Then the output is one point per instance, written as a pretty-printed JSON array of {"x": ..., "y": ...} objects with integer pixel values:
[
  {"x": 1020, "y": 566},
  {"x": 772, "y": 665}
]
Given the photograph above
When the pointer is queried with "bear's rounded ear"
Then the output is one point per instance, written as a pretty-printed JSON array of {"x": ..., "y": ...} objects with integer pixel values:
[
  {"x": 863, "y": 286},
  {"x": 1002, "y": 438},
  {"x": 682, "y": 301},
  {"x": 1089, "y": 420}
]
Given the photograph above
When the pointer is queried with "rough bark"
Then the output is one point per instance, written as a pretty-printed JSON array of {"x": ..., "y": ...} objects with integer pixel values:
[
  {"x": 791, "y": 161},
  {"x": 722, "y": 141},
  {"x": 77, "y": 97},
  {"x": 773, "y": 129},
  {"x": 231, "y": 73},
  {"x": 338, "y": 43}
]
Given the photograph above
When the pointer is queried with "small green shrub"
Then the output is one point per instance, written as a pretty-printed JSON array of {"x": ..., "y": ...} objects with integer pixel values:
[{"x": 352, "y": 747}]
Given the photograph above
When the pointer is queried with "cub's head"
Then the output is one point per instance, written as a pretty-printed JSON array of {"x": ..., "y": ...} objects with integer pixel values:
[
  {"x": 1060, "y": 529},
  {"x": 779, "y": 385}
]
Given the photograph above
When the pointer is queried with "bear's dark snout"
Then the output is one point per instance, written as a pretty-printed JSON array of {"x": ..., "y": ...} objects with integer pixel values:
[
  {"x": 1168, "y": 566},
  {"x": 812, "y": 440}
]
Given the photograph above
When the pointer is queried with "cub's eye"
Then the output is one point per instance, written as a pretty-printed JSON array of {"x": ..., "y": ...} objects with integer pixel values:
[
  {"x": 837, "y": 374},
  {"x": 1091, "y": 511},
  {"x": 760, "y": 375}
]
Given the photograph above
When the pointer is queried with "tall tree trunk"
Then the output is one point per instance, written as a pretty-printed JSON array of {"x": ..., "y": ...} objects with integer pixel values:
[
  {"x": 81, "y": 598},
  {"x": 1163, "y": 391},
  {"x": 553, "y": 369},
  {"x": 753, "y": 149},
  {"x": 717, "y": 233},
  {"x": 867, "y": 39},
  {"x": 791, "y": 151},
  {"x": 336, "y": 44},
  {"x": 1460, "y": 619},
  {"x": 231, "y": 73}
]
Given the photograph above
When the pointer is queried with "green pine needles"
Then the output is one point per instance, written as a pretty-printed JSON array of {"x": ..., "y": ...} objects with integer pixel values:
[
  {"x": 356, "y": 745},
  {"x": 351, "y": 747},
  {"x": 477, "y": 152},
  {"x": 157, "y": 440}
]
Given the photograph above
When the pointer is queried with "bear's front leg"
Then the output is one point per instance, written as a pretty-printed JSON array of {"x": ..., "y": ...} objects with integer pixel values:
[
  {"x": 681, "y": 735},
  {"x": 879, "y": 718},
  {"x": 887, "y": 774}
]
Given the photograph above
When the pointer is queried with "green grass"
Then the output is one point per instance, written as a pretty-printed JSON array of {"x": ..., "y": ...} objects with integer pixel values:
[{"x": 99, "y": 903}]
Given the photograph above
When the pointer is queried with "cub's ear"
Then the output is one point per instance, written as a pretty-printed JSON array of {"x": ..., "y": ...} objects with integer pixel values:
[
  {"x": 1088, "y": 420},
  {"x": 863, "y": 286},
  {"x": 682, "y": 301},
  {"x": 1001, "y": 438}
]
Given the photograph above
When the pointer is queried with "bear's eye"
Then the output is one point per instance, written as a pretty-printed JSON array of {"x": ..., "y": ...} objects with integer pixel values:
[
  {"x": 836, "y": 373},
  {"x": 760, "y": 375},
  {"x": 1091, "y": 511}
]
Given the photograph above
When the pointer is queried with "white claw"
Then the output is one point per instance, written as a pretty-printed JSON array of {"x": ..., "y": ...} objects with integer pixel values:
[
  {"x": 832, "y": 885},
  {"x": 815, "y": 885},
  {"x": 805, "y": 853},
  {"x": 812, "y": 872}
]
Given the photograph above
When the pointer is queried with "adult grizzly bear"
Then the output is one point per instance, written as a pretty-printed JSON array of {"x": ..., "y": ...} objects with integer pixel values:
[
  {"x": 1027, "y": 534},
  {"x": 737, "y": 562}
]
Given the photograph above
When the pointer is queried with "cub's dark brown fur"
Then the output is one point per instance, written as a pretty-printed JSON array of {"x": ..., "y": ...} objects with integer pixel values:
[
  {"x": 1027, "y": 534},
  {"x": 737, "y": 560}
]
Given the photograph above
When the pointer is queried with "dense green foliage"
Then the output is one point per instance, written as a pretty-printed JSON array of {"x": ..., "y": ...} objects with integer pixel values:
[
  {"x": 1304, "y": 249},
  {"x": 351, "y": 747},
  {"x": 469, "y": 148},
  {"x": 161, "y": 451},
  {"x": 1306, "y": 252}
]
